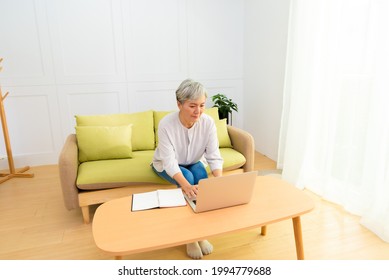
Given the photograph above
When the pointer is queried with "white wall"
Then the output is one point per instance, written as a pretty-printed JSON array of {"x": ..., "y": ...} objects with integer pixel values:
[
  {"x": 266, "y": 29},
  {"x": 67, "y": 57}
]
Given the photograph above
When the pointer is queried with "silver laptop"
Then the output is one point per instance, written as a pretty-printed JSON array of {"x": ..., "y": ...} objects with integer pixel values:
[{"x": 225, "y": 191}]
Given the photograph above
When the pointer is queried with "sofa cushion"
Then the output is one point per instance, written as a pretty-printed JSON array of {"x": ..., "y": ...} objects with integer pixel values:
[
  {"x": 222, "y": 134},
  {"x": 158, "y": 116},
  {"x": 232, "y": 159},
  {"x": 105, "y": 174},
  {"x": 221, "y": 126},
  {"x": 142, "y": 126},
  {"x": 103, "y": 142},
  {"x": 213, "y": 112}
]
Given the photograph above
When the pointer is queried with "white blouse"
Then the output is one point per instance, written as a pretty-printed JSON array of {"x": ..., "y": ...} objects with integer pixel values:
[{"x": 178, "y": 145}]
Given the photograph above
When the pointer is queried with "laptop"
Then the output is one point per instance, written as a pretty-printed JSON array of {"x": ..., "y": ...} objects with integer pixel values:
[{"x": 225, "y": 191}]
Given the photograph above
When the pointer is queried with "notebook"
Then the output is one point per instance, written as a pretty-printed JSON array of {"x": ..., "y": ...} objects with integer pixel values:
[
  {"x": 225, "y": 191},
  {"x": 157, "y": 199}
]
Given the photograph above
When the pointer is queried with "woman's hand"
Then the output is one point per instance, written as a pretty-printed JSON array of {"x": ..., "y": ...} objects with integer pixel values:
[
  {"x": 190, "y": 190},
  {"x": 217, "y": 172},
  {"x": 187, "y": 188}
]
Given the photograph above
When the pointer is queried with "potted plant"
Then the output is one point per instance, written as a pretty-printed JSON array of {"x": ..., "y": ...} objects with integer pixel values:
[{"x": 225, "y": 106}]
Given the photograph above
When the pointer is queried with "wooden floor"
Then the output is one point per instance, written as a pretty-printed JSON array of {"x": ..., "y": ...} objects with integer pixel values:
[{"x": 34, "y": 224}]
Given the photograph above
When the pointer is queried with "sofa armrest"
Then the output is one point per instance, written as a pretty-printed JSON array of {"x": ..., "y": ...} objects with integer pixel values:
[
  {"x": 243, "y": 142},
  {"x": 68, "y": 168}
]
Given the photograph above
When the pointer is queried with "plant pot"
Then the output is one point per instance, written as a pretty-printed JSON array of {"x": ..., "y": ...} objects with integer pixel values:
[{"x": 224, "y": 115}]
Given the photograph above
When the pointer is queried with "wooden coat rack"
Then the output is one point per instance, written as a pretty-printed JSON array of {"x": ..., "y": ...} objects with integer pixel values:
[{"x": 12, "y": 171}]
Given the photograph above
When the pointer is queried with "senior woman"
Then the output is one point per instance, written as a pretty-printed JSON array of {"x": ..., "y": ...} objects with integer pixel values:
[{"x": 187, "y": 144}]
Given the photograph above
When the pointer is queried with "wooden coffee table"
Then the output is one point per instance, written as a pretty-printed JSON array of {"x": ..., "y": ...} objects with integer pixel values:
[{"x": 119, "y": 232}]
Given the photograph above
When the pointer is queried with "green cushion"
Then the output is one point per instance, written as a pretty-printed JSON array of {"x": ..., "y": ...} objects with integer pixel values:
[
  {"x": 142, "y": 126},
  {"x": 158, "y": 116},
  {"x": 232, "y": 159},
  {"x": 222, "y": 134},
  {"x": 221, "y": 126},
  {"x": 103, "y": 142},
  {"x": 120, "y": 172},
  {"x": 213, "y": 112}
]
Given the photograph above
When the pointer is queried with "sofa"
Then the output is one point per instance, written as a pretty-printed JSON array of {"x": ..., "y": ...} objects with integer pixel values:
[{"x": 109, "y": 156}]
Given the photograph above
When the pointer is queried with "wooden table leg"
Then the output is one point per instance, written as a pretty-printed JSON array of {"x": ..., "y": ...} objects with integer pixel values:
[
  {"x": 263, "y": 230},
  {"x": 298, "y": 237}
]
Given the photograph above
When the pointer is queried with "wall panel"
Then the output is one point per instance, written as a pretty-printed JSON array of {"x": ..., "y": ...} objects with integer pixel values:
[
  {"x": 91, "y": 99},
  {"x": 87, "y": 41},
  {"x": 25, "y": 45},
  {"x": 215, "y": 39},
  {"x": 156, "y": 96},
  {"x": 33, "y": 125},
  {"x": 155, "y": 40}
]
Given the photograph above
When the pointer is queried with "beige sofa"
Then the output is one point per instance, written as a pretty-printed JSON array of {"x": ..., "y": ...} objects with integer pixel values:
[{"x": 109, "y": 157}]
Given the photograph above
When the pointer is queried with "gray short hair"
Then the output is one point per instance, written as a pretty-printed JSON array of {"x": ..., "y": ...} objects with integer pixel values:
[{"x": 190, "y": 90}]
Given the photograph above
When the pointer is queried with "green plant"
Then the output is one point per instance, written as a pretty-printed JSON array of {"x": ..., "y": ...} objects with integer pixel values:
[{"x": 225, "y": 105}]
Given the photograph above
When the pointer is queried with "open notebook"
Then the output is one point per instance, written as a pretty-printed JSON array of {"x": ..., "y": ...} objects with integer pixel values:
[{"x": 158, "y": 199}]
